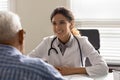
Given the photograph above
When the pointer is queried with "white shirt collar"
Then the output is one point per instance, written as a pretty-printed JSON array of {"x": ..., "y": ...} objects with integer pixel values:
[{"x": 69, "y": 43}]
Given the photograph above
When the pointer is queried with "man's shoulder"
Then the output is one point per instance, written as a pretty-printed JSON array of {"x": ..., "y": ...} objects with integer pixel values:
[
  {"x": 33, "y": 62},
  {"x": 39, "y": 67}
]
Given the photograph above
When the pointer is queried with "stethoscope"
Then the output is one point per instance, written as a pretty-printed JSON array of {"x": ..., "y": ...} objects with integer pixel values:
[{"x": 51, "y": 48}]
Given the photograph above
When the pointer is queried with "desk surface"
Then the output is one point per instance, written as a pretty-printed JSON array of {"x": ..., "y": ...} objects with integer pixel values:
[{"x": 85, "y": 77}]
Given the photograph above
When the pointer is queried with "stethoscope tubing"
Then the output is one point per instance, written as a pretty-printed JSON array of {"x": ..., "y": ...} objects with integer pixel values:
[
  {"x": 79, "y": 50},
  {"x": 51, "y": 48}
]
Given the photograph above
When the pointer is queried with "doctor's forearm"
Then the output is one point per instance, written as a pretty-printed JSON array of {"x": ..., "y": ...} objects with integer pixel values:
[
  {"x": 68, "y": 70},
  {"x": 79, "y": 71}
]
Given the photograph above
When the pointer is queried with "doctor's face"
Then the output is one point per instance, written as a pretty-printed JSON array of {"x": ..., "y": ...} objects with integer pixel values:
[{"x": 61, "y": 27}]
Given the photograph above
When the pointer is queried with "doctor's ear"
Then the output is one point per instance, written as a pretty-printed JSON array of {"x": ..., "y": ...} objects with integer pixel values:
[{"x": 72, "y": 24}]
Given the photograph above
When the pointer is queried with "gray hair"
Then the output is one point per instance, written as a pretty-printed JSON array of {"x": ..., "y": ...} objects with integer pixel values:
[{"x": 9, "y": 25}]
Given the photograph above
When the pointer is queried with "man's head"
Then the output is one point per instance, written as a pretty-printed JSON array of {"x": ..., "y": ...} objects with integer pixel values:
[{"x": 11, "y": 32}]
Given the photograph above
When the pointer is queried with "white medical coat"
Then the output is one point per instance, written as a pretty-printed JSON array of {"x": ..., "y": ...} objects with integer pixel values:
[{"x": 71, "y": 57}]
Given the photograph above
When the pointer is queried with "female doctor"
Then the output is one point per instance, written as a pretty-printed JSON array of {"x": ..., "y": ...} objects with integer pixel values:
[{"x": 67, "y": 50}]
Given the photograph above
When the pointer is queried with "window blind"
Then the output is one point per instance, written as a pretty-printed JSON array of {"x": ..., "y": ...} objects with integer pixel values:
[
  {"x": 109, "y": 43},
  {"x": 95, "y": 9},
  {"x": 3, "y": 4},
  {"x": 106, "y": 18}
]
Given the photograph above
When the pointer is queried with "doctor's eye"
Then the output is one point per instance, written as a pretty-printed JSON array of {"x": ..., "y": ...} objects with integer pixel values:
[
  {"x": 62, "y": 22},
  {"x": 54, "y": 23}
]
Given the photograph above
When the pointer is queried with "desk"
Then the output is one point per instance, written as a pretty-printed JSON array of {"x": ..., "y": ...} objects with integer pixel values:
[{"x": 85, "y": 77}]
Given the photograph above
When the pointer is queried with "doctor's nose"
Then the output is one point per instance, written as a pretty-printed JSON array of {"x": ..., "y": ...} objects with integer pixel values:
[{"x": 57, "y": 26}]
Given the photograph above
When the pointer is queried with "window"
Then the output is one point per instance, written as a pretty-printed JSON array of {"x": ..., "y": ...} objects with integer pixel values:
[
  {"x": 7, "y": 5},
  {"x": 3, "y": 4},
  {"x": 95, "y": 9},
  {"x": 103, "y": 15}
]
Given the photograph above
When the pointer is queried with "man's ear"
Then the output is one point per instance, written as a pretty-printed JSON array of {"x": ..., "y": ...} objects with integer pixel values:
[{"x": 21, "y": 36}]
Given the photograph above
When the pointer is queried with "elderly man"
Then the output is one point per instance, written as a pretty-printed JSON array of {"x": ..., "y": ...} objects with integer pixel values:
[{"x": 14, "y": 65}]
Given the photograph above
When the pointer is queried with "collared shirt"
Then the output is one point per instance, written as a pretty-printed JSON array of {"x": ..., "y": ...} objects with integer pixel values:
[
  {"x": 15, "y": 66},
  {"x": 66, "y": 45}
]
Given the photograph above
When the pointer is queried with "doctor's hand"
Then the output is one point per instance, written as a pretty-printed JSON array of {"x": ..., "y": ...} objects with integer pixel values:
[{"x": 70, "y": 70}]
